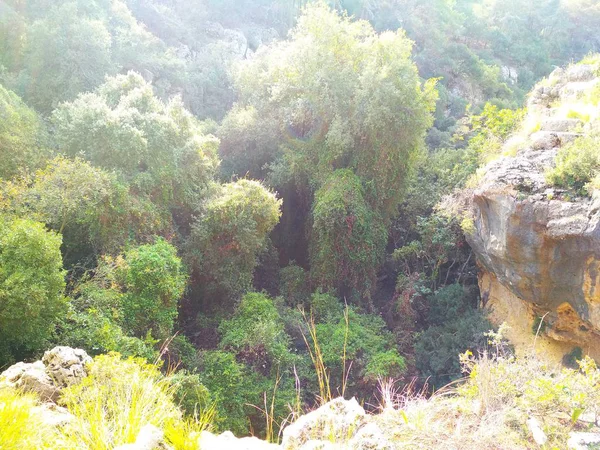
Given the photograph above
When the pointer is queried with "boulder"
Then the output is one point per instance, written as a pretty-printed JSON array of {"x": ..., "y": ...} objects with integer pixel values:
[
  {"x": 583, "y": 441},
  {"x": 226, "y": 440},
  {"x": 53, "y": 415},
  {"x": 370, "y": 437},
  {"x": 149, "y": 438},
  {"x": 30, "y": 377},
  {"x": 66, "y": 365},
  {"x": 338, "y": 420}
]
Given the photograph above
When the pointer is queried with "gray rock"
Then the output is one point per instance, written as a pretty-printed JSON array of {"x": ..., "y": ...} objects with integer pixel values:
[
  {"x": 30, "y": 377},
  {"x": 53, "y": 415},
  {"x": 149, "y": 438},
  {"x": 66, "y": 365},
  {"x": 337, "y": 421},
  {"x": 583, "y": 441},
  {"x": 542, "y": 250},
  {"x": 581, "y": 72},
  {"x": 370, "y": 437},
  {"x": 560, "y": 125},
  {"x": 226, "y": 440},
  {"x": 538, "y": 434}
]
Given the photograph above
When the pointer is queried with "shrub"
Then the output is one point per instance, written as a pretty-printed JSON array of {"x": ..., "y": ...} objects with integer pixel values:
[
  {"x": 21, "y": 426},
  {"x": 437, "y": 348},
  {"x": 97, "y": 334},
  {"x": 231, "y": 232},
  {"x": 256, "y": 334},
  {"x": 22, "y": 136},
  {"x": 31, "y": 286},
  {"x": 577, "y": 164},
  {"x": 450, "y": 303},
  {"x": 190, "y": 394},
  {"x": 367, "y": 346},
  {"x": 226, "y": 380},
  {"x": 293, "y": 285},
  {"x": 118, "y": 398},
  {"x": 154, "y": 281}
]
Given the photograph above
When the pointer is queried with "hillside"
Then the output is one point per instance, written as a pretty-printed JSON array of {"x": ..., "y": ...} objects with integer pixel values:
[{"x": 221, "y": 218}]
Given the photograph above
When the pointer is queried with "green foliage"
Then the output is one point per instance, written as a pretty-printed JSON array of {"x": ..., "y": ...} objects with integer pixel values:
[
  {"x": 97, "y": 334},
  {"x": 577, "y": 165},
  {"x": 158, "y": 146},
  {"x": 22, "y": 136},
  {"x": 325, "y": 307},
  {"x": 31, "y": 287},
  {"x": 450, "y": 303},
  {"x": 293, "y": 285},
  {"x": 347, "y": 237},
  {"x": 437, "y": 347},
  {"x": 21, "y": 425},
  {"x": 440, "y": 241},
  {"x": 367, "y": 346},
  {"x": 231, "y": 232},
  {"x": 255, "y": 333},
  {"x": 154, "y": 281},
  {"x": 190, "y": 394},
  {"x": 488, "y": 132},
  {"x": 119, "y": 397},
  {"x": 226, "y": 380}
]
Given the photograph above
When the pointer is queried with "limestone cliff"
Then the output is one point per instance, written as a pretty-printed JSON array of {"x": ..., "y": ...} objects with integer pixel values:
[{"x": 538, "y": 247}]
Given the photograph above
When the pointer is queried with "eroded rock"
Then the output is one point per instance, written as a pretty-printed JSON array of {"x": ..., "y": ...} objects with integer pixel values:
[
  {"x": 66, "y": 365},
  {"x": 30, "y": 377},
  {"x": 226, "y": 440},
  {"x": 541, "y": 246},
  {"x": 337, "y": 421},
  {"x": 149, "y": 438}
]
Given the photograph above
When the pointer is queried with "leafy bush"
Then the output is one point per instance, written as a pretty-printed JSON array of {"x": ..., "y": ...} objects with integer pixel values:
[
  {"x": 227, "y": 381},
  {"x": 190, "y": 394},
  {"x": 294, "y": 285},
  {"x": 96, "y": 333},
  {"x": 119, "y": 397},
  {"x": 367, "y": 346},
  {"x": 31, "y": 287},
  {"x": 577, "y": 164},
  {"x": 123, "y": 126},
  {"x": 437, "y": 348},
  {"x": 154, "y": 281},
  {"x": 256, "y": 335},
  {"x": 231, "y": 232},
  {"x": 450, "y": 303}
]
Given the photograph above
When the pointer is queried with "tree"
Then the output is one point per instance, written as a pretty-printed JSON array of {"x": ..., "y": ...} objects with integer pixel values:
[
  {"x": 230, "y": 233},
  {"x": 336, "y": 95},
  {"x": 22, "y": 136},
  {"x": 66, "y": 53},
  {"x": 157, "y": 147},
  {"x": 154, "y": 281},
  {"x": 31, "y": 287}
]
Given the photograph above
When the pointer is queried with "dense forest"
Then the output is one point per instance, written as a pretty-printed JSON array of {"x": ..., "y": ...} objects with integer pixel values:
[{"x": 248, "y": 192}]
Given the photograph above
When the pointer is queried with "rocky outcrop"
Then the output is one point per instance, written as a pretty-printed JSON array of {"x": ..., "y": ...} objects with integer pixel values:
[
  {"x": 339, "y": 424},
  {"x": 59, "y": 368},
  {"x": 537, "y": 245},
  {"x": 210, "y": 441}
]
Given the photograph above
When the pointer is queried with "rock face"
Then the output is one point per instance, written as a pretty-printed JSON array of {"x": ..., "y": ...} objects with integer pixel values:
[{"x": 535, "y": 245}]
